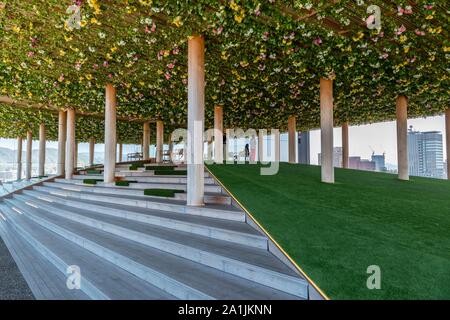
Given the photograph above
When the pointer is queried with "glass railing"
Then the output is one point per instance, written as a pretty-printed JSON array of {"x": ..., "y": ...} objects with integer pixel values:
[{"x": 11, "y": 186}]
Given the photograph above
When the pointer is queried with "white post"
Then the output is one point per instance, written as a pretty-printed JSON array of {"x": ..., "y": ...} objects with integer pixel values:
[
  {"x": 402, "y": 137},
  {"x": 345, "y": 145},
  {"x": 120, "y": 151},
  {"x": 91, "y": 151},
  {"x": 447, "y": 139},
  {"x": 159, "y": 141},
  {"x": 292, "y": 130},
  {"x": 110, "y": 134},
  {"x": 196, "y": 118},
  {"x": 70, "y": 144},
  {"x": 19, "y": 158},
  {"x": 28, "y": 155},
  {"x": 41, "y": 170},
  {"x": 276, "y": 141},
  {"x": 260, "y": 145},
  {"x": 326, "y": 129},
  {"x": 62, "y": 131},
  {"x": 218, "y": 134},
  {"x": 146, "y": 141},
  {"x": 75, "y": 155}
]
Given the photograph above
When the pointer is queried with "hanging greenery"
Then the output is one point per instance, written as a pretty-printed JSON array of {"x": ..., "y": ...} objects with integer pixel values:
[{"x": 263, "y": 59}]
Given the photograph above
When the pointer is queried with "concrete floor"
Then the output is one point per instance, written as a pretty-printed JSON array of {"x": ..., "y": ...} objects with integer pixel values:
[{"x": 12, "y": 284}]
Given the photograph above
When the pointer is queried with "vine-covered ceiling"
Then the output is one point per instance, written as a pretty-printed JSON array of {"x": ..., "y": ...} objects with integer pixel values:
[{"x": 263, "y": 59}]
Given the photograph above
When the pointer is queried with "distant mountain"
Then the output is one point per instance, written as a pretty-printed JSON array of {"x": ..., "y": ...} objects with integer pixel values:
[{"x": 9, "y": 156}]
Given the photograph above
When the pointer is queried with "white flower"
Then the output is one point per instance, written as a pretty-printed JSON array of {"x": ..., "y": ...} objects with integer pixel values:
[{"x": 102, "y": 35}]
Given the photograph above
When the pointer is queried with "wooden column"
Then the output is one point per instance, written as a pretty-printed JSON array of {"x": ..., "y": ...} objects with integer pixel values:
[
  {"x": 345, "y": 145},
  {"x": 218, "y": 134},
  {"x": 146, "y": 141},
  {"x": 292, "y": 139},
  {"x": 28, "y": 155},
  {"x": 276, "y": 141},
  {"x": 19, "y": 158},
  {"x": 110, "y": 134},
  {"x": 260, "y": 145},
  {"x": 402, "y": 137},
  {"x": 91, "y": 151},
  {"x": 159, "y": 141},
  {"x": 70, "y": 144},
  {"x": 41, "y": 169},
  {"x": 62, "y": 132},
  {"x": 196, "y": 119},
  {"x": 326, "y": 130},
  {"x": 120, "y": 152}
]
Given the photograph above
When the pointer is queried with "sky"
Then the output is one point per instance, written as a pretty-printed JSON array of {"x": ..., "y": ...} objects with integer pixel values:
[{"x": 377, "y": 137}]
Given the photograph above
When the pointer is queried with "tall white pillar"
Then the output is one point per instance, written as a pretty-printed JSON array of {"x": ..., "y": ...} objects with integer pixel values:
[
  {"x": 28, "y": 155},
  {"x": 292, "y": 130},
  {"x": 345, "y": 145},
  {"x": 41, "y": 170},
  {"x": 159, "y": 141},
  {"x": 402, "y": 137},
  {"x": 70, "y": 144},
  {"x": 260, "y": 145},
  {"x": 146, "y": 141},
  {"x": 62, "y": 131},
  {"x": 218, "y": 134},
  {"x": 447, "y": 138},
  {"x": 91, "y": 151},
  {"x": 120, "y": 151},
  {"x": 276, "y": 141},
  {"x": 75, "y": 155},
  {"x": 19, "y": 158},
  {"x": 110, "y": 134},
  {"x": 326, "y": 129},
  {"x": 196, "y": 118}
]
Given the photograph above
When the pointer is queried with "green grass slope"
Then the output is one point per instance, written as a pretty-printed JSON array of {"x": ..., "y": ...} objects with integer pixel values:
[{"x": 335, "y": 231}]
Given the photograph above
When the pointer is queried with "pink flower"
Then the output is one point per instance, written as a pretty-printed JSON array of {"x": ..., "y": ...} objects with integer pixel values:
[
  {"x": 171, "y": 65},
  {"x": 384, "y": 56},
  {"x": 400, "y": 30},
  {"x": 428, "y": 6},
  {"x": 317, "y": 41},
  {"x": 105, "y": 64},
  {"x": 167, "y": 75},
  {"x": 265, "y": 36},
  {"x": 95, "y": 66},
  {"x": 153, "y": 29},
  {"x": 419, "y": 32},
  {"x": 218, "y": 30},
  {"x": 30, "y": 54},
  {"x": 147, "y": 29},
  {"x": 176, "y": 51},
  {"x": 110, "y": 76}
]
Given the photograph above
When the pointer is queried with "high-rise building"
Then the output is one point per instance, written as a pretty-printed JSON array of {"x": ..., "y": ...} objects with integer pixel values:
[
  {"x": 303, "y": 147},
  {"x": 337, "y": 157},
  {"x": 380, "y": 162},
  {"x": 425, "y": 153},
  {"x": 361, "y": 164}
]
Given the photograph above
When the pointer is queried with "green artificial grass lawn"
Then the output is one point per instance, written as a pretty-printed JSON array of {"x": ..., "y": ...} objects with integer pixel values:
[
  {"x": 335, "y": 231},
  {"x": 162, "y": 192}
]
